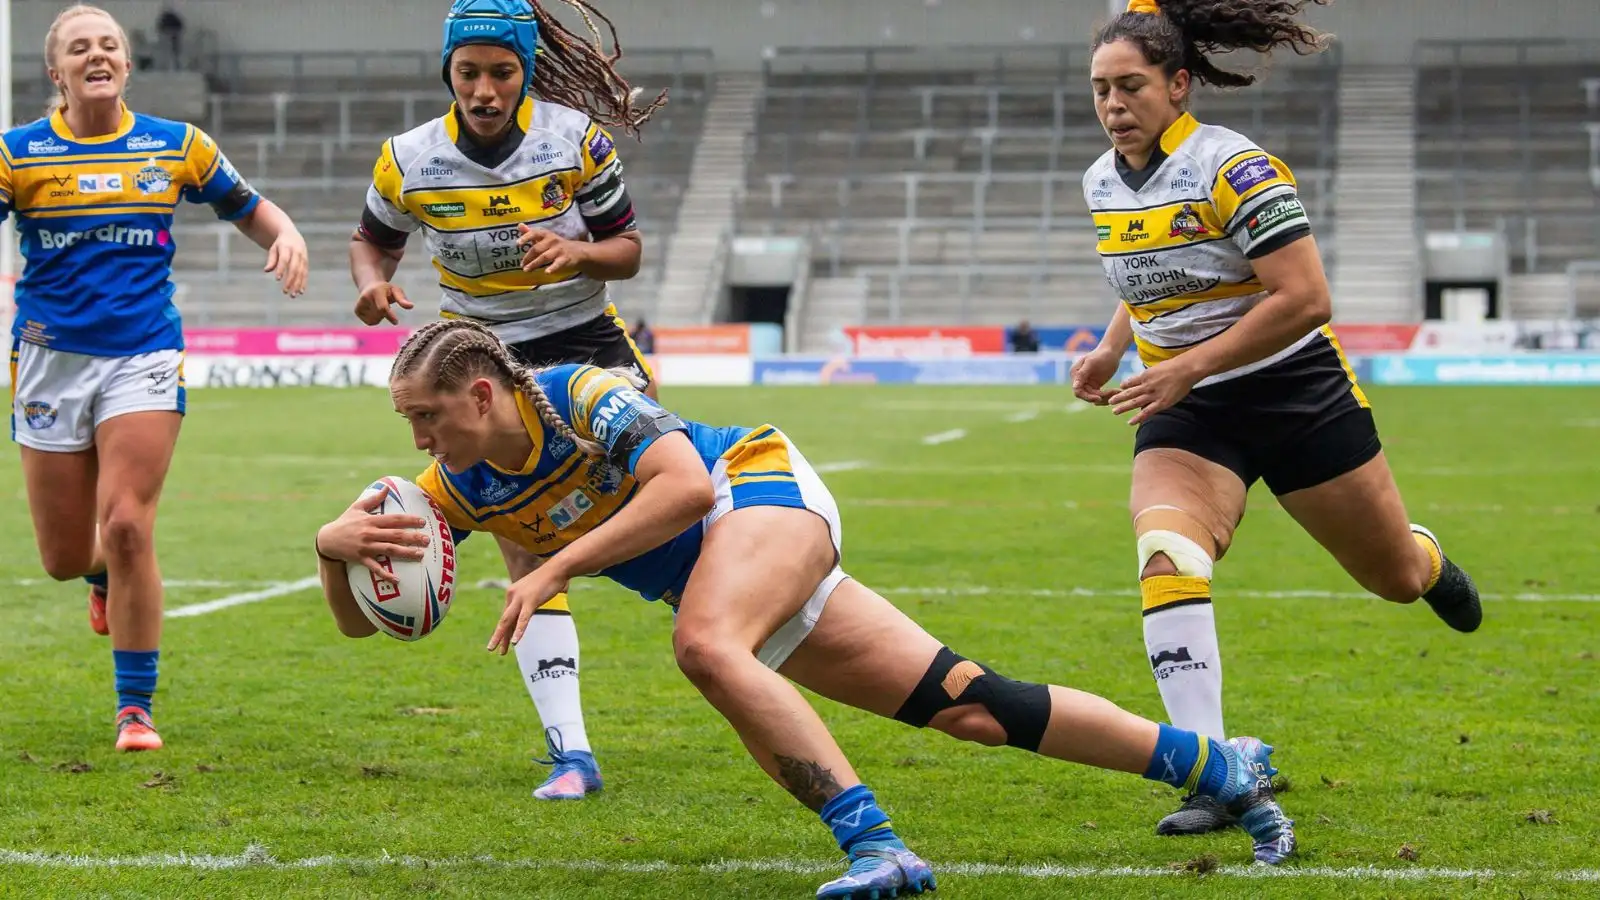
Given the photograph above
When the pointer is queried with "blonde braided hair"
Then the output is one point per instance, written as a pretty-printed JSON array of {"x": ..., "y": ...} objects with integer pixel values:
[{"x": 451, "y": 352}]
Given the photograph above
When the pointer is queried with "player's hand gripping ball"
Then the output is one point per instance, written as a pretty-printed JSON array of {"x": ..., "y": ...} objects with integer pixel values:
[{"x": 418, "y": 595}]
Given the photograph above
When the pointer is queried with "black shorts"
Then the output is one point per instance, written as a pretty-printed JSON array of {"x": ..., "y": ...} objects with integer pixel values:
[
  {"x": 1296, "y": 424},
  {"x": 602, "y": 341}
]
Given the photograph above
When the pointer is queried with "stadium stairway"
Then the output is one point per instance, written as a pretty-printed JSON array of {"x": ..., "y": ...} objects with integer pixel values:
[
  {"x": 709, "y": 200},
  {"x": 1376, "y": 269}
]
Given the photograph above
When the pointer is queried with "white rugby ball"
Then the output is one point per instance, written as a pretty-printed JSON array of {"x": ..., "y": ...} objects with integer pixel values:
[{"x": 418, "y": 598}]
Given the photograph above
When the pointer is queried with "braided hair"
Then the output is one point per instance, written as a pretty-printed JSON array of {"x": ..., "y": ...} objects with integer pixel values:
[
  {"x": 450, "y": 353},
  {"x": 571, "y": 69},
  {"x": 1182, "y": 34}
]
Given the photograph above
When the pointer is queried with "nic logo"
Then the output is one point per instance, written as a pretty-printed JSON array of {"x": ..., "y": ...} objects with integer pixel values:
[
  {"x": 570, "y": 509},
  {"x": 108, "y": 183},
  {"x": 110, "y": 234},
  {"x": 40, "y": 415}
]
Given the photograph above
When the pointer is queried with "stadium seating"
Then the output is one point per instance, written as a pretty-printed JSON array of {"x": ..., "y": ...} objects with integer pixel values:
[
  {"x": 954, "y": 194},
  {"x": 305, "y": 129},
  {"x": 1503, "y": 143}
]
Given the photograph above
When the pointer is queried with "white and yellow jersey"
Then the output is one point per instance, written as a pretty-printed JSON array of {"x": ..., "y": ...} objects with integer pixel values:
[
  {"x": 557, "y": 170},
  {"x": 1177, "y": 237}
]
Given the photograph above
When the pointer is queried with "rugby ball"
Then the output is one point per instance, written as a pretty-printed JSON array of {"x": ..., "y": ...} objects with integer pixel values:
[{"x": 418, "y": 597}]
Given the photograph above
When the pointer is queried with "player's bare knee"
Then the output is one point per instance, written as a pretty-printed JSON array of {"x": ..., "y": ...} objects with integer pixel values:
[
  {"x": 1159, "y": 564},
  {"x": 971, "y": 701},
  {"x": 127, "y": 531},
  {"x": 701, "y": 656},
  {"x": 970, "y": 723}
]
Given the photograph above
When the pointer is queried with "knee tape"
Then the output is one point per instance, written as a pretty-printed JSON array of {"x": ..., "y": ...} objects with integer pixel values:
[
  {"x": 1173, "y": 532},
  {"x": 1021, "y": 708}
]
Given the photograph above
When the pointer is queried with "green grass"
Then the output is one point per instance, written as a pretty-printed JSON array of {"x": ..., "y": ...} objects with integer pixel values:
[{"x": 286, "y": 737}]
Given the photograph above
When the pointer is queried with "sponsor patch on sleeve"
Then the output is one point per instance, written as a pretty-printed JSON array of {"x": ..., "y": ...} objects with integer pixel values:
[
  {"x": 1250, "y": 172},
  {"x": 600, "y": 147},
  {"x": 1274, "y": 214}
]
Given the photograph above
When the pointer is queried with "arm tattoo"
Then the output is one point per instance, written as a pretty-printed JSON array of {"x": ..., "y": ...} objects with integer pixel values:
[{"x": 809, "y": 782}]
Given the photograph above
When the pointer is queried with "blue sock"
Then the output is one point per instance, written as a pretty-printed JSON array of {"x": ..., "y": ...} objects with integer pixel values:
[
  {"x": 98, "y": 580},
  {"x": 854, "y": 816},
  {"x": 136, "y": 677},
  {"x": 1184, "y": 759}
]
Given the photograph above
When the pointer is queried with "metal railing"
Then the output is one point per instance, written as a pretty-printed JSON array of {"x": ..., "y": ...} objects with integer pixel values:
[
  {"x": 243, "y": 261},
  {"x": 958, "y": 282},
  {"x": 1315, "y": 188},
  {"x": 345, "y": 111},
  {"x": 998, "y": 62}
]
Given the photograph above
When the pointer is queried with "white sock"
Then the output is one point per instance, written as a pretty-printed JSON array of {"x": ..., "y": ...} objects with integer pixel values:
[
  {"x": 548, "y": 657},
  {"x": 1182, "y": 643}
]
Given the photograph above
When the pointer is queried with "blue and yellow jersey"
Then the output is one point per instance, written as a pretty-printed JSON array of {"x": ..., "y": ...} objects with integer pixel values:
[
  {"x": 561, "y": 494},
  {"x": 94, "y": 217}
]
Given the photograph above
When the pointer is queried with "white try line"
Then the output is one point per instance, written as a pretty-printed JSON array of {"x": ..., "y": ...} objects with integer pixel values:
[
  {"x": 211, "y": 606},
  {"x": 179, "y": 584},
  {"x": 257, "y": 857},
  {"x": 945, "y": 437},
  {"x": 843, "y": 466}
]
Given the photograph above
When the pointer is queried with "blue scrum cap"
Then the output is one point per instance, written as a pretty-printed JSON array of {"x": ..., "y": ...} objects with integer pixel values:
[{"x": 503, "y": 23}]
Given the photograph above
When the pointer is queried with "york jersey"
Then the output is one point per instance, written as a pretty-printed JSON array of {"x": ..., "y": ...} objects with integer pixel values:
[
  {"x": 562, "y": 175},
  {"x": 1176, "y": 238},
  {"x": 94, "y": 217},
  {"x": 561, "y": 494}
]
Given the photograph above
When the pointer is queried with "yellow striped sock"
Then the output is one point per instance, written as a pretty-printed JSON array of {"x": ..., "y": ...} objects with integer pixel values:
[{"x": 1435, "y": 560}]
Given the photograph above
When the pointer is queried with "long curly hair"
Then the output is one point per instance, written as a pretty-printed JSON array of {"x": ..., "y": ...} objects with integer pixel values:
[
  {"x": 1186, "y": 32},
  {"x": 571, "y": 70}
]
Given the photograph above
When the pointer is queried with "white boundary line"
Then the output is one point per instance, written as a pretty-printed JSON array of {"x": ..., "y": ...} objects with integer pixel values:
[
  {"x": 284, "y": 588},
  {"x": 171, "y": 585},
  {"x": 210, "y": 606},
  {"x": 257, "y": 857},
  {"x": 945, "y": 437}
]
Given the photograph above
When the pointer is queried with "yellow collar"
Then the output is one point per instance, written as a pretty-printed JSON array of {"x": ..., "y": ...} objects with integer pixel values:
[
  {"x": 1180, "y": 131},
  {"x": 58, "y": 122},
  {"x": 535, "y": 426},
  {"x": 452, "y": 122}
]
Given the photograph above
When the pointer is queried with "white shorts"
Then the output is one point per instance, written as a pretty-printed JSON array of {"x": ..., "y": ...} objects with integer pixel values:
[
  {"x": 765, "y": 469},
  {"x": 58, "y": 399}
]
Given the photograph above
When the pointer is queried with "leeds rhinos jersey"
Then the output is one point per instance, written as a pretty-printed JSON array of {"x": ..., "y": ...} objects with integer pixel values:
[
  {"x": 94, "y": 216},
  {"x": 1176, "y": 238},
  {"x": 561, "y": 494},
  {"x": 563, "y": 174}
]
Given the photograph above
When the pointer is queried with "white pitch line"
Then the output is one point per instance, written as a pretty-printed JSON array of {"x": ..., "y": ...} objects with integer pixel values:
[
  {"x": 845, "y": 466},
  {"x": 171, "y": 585},
  {"x": 1027, "y": 415},
  {"x": 945, "y": 437},
  {"x": 257, "y": 857},
  {"x": 211, "y": 606}
]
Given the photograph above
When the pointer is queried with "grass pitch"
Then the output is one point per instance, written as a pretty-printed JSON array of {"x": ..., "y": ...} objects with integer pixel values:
[{"x": 1422, "y": 763}]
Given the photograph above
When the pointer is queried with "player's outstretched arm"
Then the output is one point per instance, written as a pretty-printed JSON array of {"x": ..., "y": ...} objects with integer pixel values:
[
  {"x": 358, "y": 537},
  {"x": 372, "y": 268},
  {"x": 674, "y": 493},
  {"x": 273, "y": 231}
]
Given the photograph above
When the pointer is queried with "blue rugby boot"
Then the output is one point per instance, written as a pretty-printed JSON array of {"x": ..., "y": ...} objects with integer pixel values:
[
  {"x": 880, "y": 869},
  {"x": 576, "y": 774},
  {"x": 1249, "y": 797}
]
